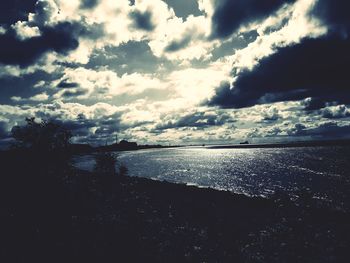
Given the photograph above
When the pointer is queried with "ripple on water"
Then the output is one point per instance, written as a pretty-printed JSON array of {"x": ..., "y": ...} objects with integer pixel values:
[{"x": 254, "y": 172}]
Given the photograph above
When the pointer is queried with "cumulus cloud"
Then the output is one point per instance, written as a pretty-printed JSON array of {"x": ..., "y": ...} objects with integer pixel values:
[
  {"x": 195, "y": 119},
  {"x": 183, "y": 40},
  {"x": 336, "y": 112},
  {"x": 82, "y": 83},
  {"x": 271, "y": 114}
]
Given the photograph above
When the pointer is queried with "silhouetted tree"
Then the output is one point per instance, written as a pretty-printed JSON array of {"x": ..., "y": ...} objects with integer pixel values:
[
  {"x": 105, "y": 163},
  {"x": 44, "y": 135}
]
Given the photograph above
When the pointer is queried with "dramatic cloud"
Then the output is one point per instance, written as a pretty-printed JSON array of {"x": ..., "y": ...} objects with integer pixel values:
[
  {"x": 314, "y": 68},
  {"x": 177, "y": 71},
  {"x": 230, "y": 15}
]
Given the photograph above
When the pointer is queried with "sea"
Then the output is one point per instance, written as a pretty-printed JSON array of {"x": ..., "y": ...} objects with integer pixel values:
[{"x": 321, "y": 172}]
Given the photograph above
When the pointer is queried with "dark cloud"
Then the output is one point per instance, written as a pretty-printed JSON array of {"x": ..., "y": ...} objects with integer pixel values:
[
  {"x": 65, "y": 84},
  {"x": 22, "y": 86},
  {"x": 178, "y": 44},
  {"x": 311, "y": 104},
  {"x": 229, "y": 47},
  {"x": 315, "y": 68},
  {"x": 13, "y": 10},
  {"x": 105, "y": 128},
  {"x": 229, "y": 15},
  {"x": 74, "y": 93},
  {"x": 198, "y": 119},
  {"x": 223, "y": 96},
  {"x": 324, "y": 130},
  {"x": 335, "y": 14},
  {"x": 299, "y": 129},
  {"x": 80, "y": 126},
  {"x": 92, "y": 31},
  {"x": 88, "y": 4},
  {"x": 143, "y": 20},
  {"x": 60, "y": 38}
]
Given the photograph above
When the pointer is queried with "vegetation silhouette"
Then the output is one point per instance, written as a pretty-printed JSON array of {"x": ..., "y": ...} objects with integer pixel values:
[
  {"x": 48, "y": 136},
  {"x": 105, "y": 163}
]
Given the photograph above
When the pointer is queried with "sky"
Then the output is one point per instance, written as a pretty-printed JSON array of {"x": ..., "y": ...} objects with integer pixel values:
[{"x": 177, "y": 71}]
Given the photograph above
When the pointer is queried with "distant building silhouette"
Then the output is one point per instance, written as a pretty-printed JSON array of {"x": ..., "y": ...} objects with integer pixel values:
[{"x": 124, "y": 144}]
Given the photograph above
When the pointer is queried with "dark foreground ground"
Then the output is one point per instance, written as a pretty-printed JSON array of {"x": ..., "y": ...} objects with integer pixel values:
[{"x": 51, "y": 212}]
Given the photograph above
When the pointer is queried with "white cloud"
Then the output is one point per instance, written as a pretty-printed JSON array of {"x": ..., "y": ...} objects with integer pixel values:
[
  {"x": 190, "y": 36},
  {"x": 16, "y": 98},
  {"x": 105, "y": 84},
  {"x": 206, "y": 6},
  {"x": 197, "y": 84},
  {"x": 24, "y": 31},
  {"x": 2, "y": 30},
  {"x": 39, "y": 97}
]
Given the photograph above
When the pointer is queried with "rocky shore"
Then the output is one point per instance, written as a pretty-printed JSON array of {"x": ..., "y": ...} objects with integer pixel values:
[{"x": 76, "y": 216}]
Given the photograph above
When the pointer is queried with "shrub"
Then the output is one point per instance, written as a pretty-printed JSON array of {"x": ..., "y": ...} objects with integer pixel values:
[{"x": 105, "y": 163}]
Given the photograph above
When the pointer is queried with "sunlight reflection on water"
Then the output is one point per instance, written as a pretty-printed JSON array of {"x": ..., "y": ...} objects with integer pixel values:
[{"x": 258, "y": 172}]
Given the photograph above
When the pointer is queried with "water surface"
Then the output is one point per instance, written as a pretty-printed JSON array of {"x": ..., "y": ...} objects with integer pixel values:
[{"x": 323, "y": 171}]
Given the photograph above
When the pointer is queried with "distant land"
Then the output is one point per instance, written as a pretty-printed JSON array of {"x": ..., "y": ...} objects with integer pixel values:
[
  {"x": 284, "y": 145},
  {"x": 124, "y": 145}
]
